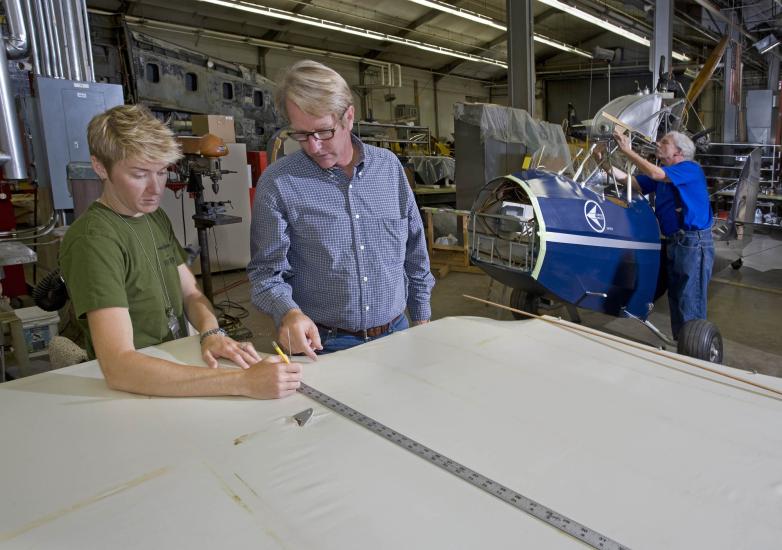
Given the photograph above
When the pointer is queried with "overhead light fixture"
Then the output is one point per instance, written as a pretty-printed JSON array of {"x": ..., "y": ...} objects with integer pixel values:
[
  {"x": 607, "y": 25},
  {"x": 459, "y": 12},
  {"x": 561, "y": 46},
  {"x": 603, "y": 54},
  {"x": 489, "y": 22},
  {"x": 350, "y": 29},
  {"x": 766, "y": 44}
]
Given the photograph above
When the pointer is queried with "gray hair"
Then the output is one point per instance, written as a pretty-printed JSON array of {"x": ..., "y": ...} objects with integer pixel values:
[
  {"x": 315, "y": 89},
  {"x": 684, "y": 143}
]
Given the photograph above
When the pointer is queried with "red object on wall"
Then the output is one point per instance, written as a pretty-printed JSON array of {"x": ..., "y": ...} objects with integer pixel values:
[
  {"x": 13, "y": 281},
  {"x": 258, "y": 163}
]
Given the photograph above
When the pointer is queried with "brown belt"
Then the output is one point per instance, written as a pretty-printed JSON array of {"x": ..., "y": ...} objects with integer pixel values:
[{"x": 372, "y": 332}]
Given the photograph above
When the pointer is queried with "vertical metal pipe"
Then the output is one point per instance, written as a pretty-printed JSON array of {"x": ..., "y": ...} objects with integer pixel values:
[
  {"x": 50, "y": 21},
  {"x": 30, "y": 23},
  {"x": 16, "y": 43},
  {"x": 14, "y": 167},
  {"x": 71, "y": 39},
  {"x": 60, "y": 27},
  {"x": 45, "y": 49},
  {"x": 84, "y": 32}
]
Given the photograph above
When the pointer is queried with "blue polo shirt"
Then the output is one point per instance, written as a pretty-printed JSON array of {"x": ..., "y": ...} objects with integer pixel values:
[{"x": 689, "y": 183}]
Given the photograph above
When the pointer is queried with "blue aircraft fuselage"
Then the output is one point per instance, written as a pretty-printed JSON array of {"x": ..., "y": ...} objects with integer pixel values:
[{"x": 595, "y": 251}]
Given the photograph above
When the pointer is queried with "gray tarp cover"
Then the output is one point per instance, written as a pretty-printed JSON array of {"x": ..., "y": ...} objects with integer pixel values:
[
  {"x": 514, "y": 126},
  {"x": 433, "y": 169}
]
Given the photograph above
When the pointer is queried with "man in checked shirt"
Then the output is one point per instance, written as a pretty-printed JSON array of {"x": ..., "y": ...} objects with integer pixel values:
[{"x": 338, "y": 249}]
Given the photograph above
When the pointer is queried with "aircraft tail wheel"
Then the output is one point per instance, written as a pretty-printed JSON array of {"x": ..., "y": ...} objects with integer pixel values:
[
  {"x": 701, "y": 339},
  {"x": 525, "y": 302},
  {"x": 737, "y": 264}
]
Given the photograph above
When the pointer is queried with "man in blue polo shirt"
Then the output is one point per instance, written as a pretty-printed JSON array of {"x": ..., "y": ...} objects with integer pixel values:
[{"x": 683, "y": 210}]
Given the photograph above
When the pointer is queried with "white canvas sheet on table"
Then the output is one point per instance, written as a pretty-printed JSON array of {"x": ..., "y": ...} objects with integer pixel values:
[{"x": 644, "y": 450}]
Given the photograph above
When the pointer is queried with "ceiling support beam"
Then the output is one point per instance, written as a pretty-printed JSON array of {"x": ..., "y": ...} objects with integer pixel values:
[
  {"x": 732, "y": 88},
  {"x": 521, "y": 55},
  {"x": 662, "y": 41}
]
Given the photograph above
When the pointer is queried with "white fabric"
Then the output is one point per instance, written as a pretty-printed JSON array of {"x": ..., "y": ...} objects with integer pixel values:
[{"x": 649, "y": 452}]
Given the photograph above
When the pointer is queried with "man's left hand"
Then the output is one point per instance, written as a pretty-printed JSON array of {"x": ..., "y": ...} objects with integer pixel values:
[
  {"x": 421, "y": 322},
  {"x": 217, "y": 345}
]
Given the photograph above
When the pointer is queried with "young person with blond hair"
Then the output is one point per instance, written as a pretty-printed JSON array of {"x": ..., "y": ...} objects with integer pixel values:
[{"x": 128, "y": 282}]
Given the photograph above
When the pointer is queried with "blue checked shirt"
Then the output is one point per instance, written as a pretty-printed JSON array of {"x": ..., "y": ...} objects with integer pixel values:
[{"x": 349, "y": 252}]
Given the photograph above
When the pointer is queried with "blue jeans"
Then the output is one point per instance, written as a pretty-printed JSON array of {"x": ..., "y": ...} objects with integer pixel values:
[
  {"x": 333, "y": 340},
  {"x": 690, "y": 260}
]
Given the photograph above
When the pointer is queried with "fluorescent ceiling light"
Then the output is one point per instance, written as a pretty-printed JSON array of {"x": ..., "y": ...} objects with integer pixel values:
[
  {"x": 459, "y": 12},
  {"x": 478, "y": 18},
  {"x": 349, "y": 29},
  {"x": 766, "y": 44},
  {"x": 561, "y": 46},
  {"x": 616, "y": 29}
]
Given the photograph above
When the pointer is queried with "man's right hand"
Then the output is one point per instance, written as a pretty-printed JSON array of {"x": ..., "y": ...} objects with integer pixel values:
[
  {"x": 272, "y": 378},
  {"x": 622, "y": 138},
  {"x": 299, "y": 334}
]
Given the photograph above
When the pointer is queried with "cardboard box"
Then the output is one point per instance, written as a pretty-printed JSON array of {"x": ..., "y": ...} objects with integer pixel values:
[{"x": 219, "y": 125}]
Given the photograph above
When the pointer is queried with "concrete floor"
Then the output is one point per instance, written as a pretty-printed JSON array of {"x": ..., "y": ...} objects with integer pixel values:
[{"x": 745, "y": 304}]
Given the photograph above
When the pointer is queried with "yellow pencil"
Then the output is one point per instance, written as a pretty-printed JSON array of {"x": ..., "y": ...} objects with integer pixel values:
[{"x": 280, "y": 352}]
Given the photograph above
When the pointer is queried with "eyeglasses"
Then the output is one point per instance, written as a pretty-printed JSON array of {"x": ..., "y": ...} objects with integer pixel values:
[{"x": 319, "y": 135}]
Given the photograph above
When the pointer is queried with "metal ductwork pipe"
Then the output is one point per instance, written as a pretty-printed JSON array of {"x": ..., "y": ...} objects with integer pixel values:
[
  {"x": 16, "y": 44},
  {"x": 14, "y": 166}
]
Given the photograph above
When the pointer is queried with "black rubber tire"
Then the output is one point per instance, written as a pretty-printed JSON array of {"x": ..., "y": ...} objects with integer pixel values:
[
  {"x": 525, "y": 302},
  {"x": 737, "y": 264},
  {"x": 701, "y": 339}
]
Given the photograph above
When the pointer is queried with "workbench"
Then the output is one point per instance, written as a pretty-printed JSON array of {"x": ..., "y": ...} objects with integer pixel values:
[
  {"x": 427, "y": 196},
  {"x": 646, "y": 450}
]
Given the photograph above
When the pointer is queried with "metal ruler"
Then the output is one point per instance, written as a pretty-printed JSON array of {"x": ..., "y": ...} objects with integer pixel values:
[{"x": 549, "y": 516}]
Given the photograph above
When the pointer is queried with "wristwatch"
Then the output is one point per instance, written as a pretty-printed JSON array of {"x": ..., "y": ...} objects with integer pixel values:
[{"x": 210, "y": 332}]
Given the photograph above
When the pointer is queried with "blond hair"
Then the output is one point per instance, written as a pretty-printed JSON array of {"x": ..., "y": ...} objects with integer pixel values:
[
  {"x": 131, "y": 131},
  {"x": 315, "y": 89}
]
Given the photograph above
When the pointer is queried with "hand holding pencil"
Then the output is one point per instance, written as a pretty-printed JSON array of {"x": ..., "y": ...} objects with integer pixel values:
[{"x": 273, "y": 377}]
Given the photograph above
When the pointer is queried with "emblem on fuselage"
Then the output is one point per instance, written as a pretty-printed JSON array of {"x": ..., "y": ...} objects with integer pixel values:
[{"x": 594, "y": 216}]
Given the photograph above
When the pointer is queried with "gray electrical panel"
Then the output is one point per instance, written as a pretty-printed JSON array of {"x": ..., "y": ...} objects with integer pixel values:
[{"x": 57, "y": 114}]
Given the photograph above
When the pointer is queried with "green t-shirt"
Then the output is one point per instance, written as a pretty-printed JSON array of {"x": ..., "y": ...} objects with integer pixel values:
[{"x": 108, "y": 260}]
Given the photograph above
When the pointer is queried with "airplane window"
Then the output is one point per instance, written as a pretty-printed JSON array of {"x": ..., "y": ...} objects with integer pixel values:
[
  {"x": 191, "y": 82},
  {"x": 228, "y": 90},
  {"x": 152, "y": 72}
]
